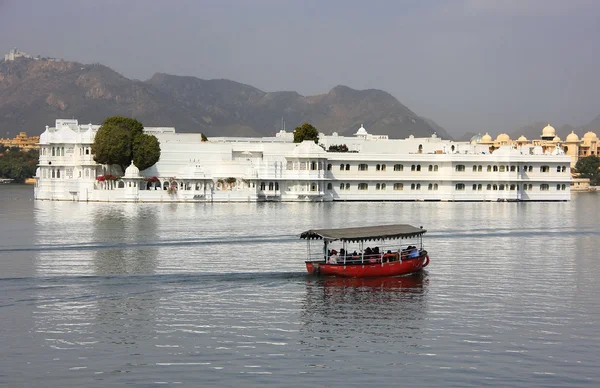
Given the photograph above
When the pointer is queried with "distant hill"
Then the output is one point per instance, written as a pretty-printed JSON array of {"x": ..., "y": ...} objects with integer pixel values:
[{"x": 33, "y": 93}]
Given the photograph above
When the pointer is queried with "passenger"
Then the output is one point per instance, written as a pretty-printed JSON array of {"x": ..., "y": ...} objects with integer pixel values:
[
  {"x": 368, "y": 251},
  {"x": 342, "y": 253},
  {"x": 333, "y": 259},
  {"x": 414, "y": 253}
]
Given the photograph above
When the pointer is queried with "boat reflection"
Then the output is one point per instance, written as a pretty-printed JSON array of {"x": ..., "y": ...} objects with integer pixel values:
[{"x": 376, "y": 310}]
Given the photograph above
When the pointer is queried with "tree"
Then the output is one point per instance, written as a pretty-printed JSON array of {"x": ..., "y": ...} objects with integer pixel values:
[
  {"x": 588, "y": 168},
  {"x": 18, "y": 165},
  {"x": 203, "y": 137},
  {"x": 146, "y": 151},
  {"x": 121, "y": 140},
  {"x": 306, "y": 132}
]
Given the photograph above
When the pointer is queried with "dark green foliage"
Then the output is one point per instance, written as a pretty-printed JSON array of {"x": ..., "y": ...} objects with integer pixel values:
[
  {"x": 588, "y": 168},
  {"x": 306, "y": 132},
  {"x": 146, "y": 151},
  {"x": 338, "y": 148},
  {"x": 18, "y": 165},
  {"x": 120, "y": 140},
  {"x": 204, "y": 138}
]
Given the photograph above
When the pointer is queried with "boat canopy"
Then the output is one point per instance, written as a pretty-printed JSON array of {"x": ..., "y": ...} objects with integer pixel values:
[{"x": 364, "y": 233}]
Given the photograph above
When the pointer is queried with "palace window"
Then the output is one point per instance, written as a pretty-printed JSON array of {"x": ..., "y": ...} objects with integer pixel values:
[
  {"x": 435, "y": 186},
  {"x": 363, "y": 186},
  {"x": 342, "y": 167},
  {"x": 383, "y": 167},
  {"x": 363, "y": 167},
  {"x": 530, "y": 168},
  {"x": 479, "y": 168},
  {"x": 347, "y": 186},
  {"x": 270, "y": 186},
  {"x": 418, "y": 167},
  {"x": 512, "y": 187},
  {"x": 474, "y": 168},
  {"x": 489, "y": 168},
  {"x": 398, "y": 167},
  {"x": 513, "y": 168},
  {"x": 313, "y": 166},
  {"x": 564, "y": 168},
  {"x": 398, "y": 186},
  {"x": 544, "y": 187},
  {"x": 378, "y": 187},
  {"x": 460, "y": 186},
  {"x": 430, "y": 187},
  {"x": 262, "y": 185},
  {"x": 501, "y": 187},
  {"x": 342, "y": 186},
  {"x": 378, "y": 167},
  {"x": 289, "y": 166},
  {"x": 460, "y": 168},
  {"x": 489, "y": 187},
  {"x": 479, "y": 187},
  {"x": 557, "y": 187},
  {"x": 329, "y": 167},
  {"x": 495, "y": 187},
  {"x": 430, "y": 168},
  {"x": 329, "y": 186},
  {"x": 544, "y": 168},
  {"x": 347, "y": 167},
  {"x": 383, "y": 186},
  {"x": 413, "y": 168},
  {"x": 495, "y": 168},
  {"x": 474, "y": 186},
  {"x": 502, "y": 169}
]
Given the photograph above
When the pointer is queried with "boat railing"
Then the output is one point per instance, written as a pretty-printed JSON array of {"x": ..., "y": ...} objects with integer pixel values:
[{"x": 370, "y": 258}]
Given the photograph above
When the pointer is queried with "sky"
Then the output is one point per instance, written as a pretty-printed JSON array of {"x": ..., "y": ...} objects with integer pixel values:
[{"x": 469, "y": 65}]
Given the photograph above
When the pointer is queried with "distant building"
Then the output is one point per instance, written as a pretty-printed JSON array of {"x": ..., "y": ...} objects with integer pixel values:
[
  {"x": 572, "y": 146},
  {"x": 22, "y": 141},
  {"x": 14, "y": 54}
]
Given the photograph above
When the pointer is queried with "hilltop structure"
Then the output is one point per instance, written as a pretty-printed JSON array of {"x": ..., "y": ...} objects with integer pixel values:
[
  {"x": 362, "y": 167},
  {"x": 14, "y": 54}
]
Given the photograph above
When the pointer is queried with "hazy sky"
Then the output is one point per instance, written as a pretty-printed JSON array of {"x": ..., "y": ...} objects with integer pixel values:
[{"x": 470, "y": 65}]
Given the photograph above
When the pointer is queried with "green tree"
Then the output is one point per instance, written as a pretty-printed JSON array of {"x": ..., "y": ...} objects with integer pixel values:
[
  {"x": 306, "y": 132},
  {"x": 146, "y": 151},
  {"x": 203, "y": 137},
  {"x": 18, "y": 165},
  {"x": 588, "y": 168},
  {"x": 121, "y": 140}
]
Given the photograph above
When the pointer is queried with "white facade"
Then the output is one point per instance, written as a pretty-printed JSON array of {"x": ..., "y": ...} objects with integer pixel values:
[{"x": 375, "y": 168}]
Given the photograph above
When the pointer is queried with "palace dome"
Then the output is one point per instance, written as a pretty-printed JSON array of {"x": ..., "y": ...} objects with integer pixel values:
[
  {"x": 361, "y": 131},
  {"x": 556, "y": 139},
  {"x": 572, "y": 137},
  {"x": 503, "y": 137},
  {"x": 132, "y": 171},
  {"x": 548, "y": 131},
  {"x": 522, "y": 138},
  {"x": 590, "y": 136},
  {"x": 486, "y": 138}
]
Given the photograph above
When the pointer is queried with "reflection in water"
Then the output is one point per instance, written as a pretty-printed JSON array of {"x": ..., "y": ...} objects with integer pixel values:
[{"x": 371, "y": 314}]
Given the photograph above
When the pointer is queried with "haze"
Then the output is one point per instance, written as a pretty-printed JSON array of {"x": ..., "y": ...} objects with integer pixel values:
[{"x": 469, "y": 65}]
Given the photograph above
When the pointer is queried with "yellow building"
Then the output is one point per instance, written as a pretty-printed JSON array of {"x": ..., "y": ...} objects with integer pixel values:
[
  {"x": 573, "y": 146},
  {"x": 22, "y": 141}
]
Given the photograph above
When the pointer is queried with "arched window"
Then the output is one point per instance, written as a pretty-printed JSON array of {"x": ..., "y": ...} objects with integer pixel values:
[
  {"x": 276, "y": 186},
  {"x": 557, "y": 168},
  {"x": 329, "y": 167},
  {"x": 347, "y": 186},
  {"x": 501, "y": 187},
  {"x": 398, "y": 186},
  {"x": 495, "y": 168},
  {"x": 378, "y": 187},
  {"x": 378, "y": 167},
  {"x": 53, "y": 152},
  {"x": 474, "y": 186},
  {"x": 363, "y": 167},
  {"x": 383, "y": 186},
  {"x": 398, "y": 167},
  {"x": 564, "y": 187},
  {"x": 479, "y": 168},
  {"x": 495, "y": 187},
  {"x": 430, "y": 168},
  {"x": 363, "y": 186},
  {"x": 383, "y": 167},
  {"x": 544, "y": 187},
  {"x": 430, "y": 187},
  {"x": 489, "y": 168},
  {"x": 460, "y": 167},
  {"x": 87, "y": 151},
  {"x": 420, "y": 148},
  {"x": 564, "y": 168},
  {"x": 474, "y": 168},
  {"x": 347, "y": 167},
  {"x": 502, "y": 169},
  {"x": 121, "y": 185},
  {"x": 435, "y": 186},
  {"x": 341, "y": 186},
  {"x": 512, "y": 187},
  {"x": 557, "y": 187},
  {"x": 412, "y": 186},
  {"x": 313, "y": 187},
  {"x": 413, "y": 167},
  {"x": 452, "y": 148},
  {"x": 513, "y": 168},
  {"x": 489, "y": 187},
  {"x": 418, "y": 186},
  {"x": 418, "y": 167},
  {"x": 329, "y": 186},
  {"x": 460, "y": 186},
  {"x": 313, "y": 166},
  {"x": 544, "y": 168},
  {"x": 530, "y": 168},
  {"x": 270, "y": 185},
  {"x": 435, "y": 167},
  {"x": 479, "y": 187}
]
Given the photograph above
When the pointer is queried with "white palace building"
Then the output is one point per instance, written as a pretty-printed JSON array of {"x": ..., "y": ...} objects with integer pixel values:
[{"x": 369, "y": 168}]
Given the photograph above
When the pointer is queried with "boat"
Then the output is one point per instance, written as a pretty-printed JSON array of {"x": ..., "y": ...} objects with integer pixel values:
[
  {"x": 5, "y": 180},
  {"x": 388, "y": 258}
]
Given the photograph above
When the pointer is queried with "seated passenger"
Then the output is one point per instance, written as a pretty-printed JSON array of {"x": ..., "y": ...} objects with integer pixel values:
[
  {"x": 333, "y": 259},
  {"x": 368, "y": 251},
  {"x": 414, "y": 253}
]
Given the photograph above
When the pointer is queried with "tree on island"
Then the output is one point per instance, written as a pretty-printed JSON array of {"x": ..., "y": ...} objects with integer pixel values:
[
  {"x": 306, "y": 132},
  {"x": 121, "y": 140},
  {"x": 16, "y": 164},
  {"x": 588, "y": 168}
]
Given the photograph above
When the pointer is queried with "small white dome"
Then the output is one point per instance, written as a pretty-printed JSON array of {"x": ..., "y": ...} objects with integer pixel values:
[
  {"x": 132, "y": 171},
  {"x": 548, "y": 131},
  {"x": 503, "y": 137},
  {"x": 522, "y": 138},
  {"x": 361, "y": 131},
  {"x": 556, "y": 139},
  {"x": 590, "y": 135}
]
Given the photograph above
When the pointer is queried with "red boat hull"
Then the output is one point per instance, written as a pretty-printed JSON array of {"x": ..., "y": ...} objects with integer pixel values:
[{"x": 366, "y": 270}]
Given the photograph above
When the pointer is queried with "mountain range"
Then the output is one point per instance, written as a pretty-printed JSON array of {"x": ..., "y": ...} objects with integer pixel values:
[{"x": 35, "y": 92}]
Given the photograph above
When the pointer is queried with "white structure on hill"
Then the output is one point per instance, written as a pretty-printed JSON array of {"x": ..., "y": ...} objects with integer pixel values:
[
  {"x": 363, "y": 167},
  {"x": 14, "y": 54}
]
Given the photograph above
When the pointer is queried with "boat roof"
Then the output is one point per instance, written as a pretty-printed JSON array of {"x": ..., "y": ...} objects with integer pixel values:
[{"x": 364, "y": 233}]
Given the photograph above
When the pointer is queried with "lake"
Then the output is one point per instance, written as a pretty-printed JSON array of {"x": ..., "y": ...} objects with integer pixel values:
[{"x": 96, "y": 295}]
